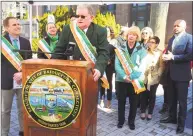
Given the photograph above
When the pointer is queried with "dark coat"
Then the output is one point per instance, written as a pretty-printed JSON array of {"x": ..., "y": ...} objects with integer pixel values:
[
  {"x": 111, "y": 66},
  {"x": 179, "y": 68},
  {"x": 98, "y": 38},
  {"x": 7, "y": 69}
]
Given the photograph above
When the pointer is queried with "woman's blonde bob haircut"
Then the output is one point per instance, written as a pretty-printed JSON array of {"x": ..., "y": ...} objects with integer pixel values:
[{"x": 134, "y": 30}]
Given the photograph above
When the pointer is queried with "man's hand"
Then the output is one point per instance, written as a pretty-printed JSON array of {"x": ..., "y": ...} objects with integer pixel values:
[
  {"x": 18, "y": 77},
  {"x": 168, "y": 56},
  {"x": 127, "y": 79},
  {"x": 96, "y": 74}
]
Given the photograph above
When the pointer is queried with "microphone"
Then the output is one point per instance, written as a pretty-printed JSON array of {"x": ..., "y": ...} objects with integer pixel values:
[{"x": 70, "y": 50}]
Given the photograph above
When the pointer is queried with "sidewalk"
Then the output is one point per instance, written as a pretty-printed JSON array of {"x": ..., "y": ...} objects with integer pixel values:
[{"x": 107, "y": 121}]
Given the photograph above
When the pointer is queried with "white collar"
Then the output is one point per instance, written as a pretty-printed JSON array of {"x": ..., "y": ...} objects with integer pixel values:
[{"x": 85, "y": 30}]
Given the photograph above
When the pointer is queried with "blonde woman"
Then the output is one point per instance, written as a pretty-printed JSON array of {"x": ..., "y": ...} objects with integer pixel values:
[
  {"x": 146, "y": 33},
  {"x": 124, "y": 87}
]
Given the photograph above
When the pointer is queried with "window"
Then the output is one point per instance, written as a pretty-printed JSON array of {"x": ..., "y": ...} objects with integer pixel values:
[
  {"x": 140, "y": 14},
  {"x": 108, "y": 8},
  {"x": 18, "y": 15},
  {"x": 46, "y": 9},
  {"x": 103, "y": 9},
  {"x": 111, "y": 8},
  {"x": 17, "y": 4}
]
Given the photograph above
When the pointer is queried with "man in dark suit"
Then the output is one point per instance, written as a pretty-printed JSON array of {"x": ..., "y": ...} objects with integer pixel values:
[
  {"x": 97, "y": 36},
  {"x": 9, "y": 74},
  {"x": 179, "y": 57}
]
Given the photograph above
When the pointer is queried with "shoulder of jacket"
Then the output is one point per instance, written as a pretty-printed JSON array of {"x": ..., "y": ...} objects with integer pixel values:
[
  {"x": 22, "y": 38},
  {"x": 139, "y": 46},
  {"x": 189, "y": 35},
  {"x": 98, "y": 27}
]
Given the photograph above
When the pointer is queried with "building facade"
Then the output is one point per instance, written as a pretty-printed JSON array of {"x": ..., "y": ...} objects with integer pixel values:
[
  {"x": 126, "y": 14},
  {"x": 139, "y": 14},
  {"x": 16, "y": 9}
]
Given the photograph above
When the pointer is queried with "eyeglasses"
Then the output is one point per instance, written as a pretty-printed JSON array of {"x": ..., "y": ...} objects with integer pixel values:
[
  {"x": 144, "y": 32},
  {"x": 151, "y": 42},
  {"x": 81, "y": 16}
]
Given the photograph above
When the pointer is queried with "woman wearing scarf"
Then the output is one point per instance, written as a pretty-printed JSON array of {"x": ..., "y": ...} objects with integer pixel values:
[
  {"x": 124, "y": 82},
  {"x": 48, "y": 44}
]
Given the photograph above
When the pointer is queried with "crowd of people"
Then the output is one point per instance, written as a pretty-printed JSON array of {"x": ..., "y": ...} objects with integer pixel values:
[{"x": 134, "y": 56}]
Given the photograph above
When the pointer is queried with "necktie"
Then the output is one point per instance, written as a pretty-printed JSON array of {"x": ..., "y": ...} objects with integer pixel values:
[{"x": 15, "y": 44}]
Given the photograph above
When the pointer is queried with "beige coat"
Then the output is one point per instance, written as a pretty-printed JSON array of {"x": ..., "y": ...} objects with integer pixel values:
[{"x": 154, "y": 68}]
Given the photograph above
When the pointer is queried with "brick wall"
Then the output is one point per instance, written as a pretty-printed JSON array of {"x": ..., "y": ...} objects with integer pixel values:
[
  {"x": 176, "y": 11},
  {"x": 123, "y": 14},
  {"x": 179, "y": 11}
]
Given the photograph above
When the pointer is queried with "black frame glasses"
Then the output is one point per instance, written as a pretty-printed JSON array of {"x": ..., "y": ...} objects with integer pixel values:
[
  {"x": 81, "y": 16},
  {"x": 151, "y": 42}
]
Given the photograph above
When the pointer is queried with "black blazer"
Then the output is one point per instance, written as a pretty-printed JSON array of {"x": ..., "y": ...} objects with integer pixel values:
[
  {"x": 98, "y": 38},
  {"x": 7, "y": 69},
  {"x": 179, "y": 68}
]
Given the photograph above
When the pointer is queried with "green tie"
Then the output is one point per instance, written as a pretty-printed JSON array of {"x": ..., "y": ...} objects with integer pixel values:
[{"x": 15, "y": 44}]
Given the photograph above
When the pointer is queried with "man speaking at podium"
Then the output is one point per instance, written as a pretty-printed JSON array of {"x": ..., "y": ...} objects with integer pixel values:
[
  {"x": 11, "y": 75},
  {"x": 91, "y": 41}
]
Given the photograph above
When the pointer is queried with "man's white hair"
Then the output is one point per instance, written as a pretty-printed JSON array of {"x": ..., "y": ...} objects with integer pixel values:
[{"x": 86, "y": 6}]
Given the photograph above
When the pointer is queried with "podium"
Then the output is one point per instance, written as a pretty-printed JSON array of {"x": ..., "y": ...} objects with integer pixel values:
[{"x": 80, "y": 72}]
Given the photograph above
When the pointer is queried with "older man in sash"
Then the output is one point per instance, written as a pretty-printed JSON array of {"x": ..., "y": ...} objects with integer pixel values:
[
  {"x": 11, "y": 75},
  {"x": 91, "y": 41}
]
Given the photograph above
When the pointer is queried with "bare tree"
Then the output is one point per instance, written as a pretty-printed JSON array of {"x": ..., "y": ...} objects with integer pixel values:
[{"x": 158, "y": 20}]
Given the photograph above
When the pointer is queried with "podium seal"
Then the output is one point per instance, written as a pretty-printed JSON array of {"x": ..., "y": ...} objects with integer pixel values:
[{"x": 52, "y": 98}]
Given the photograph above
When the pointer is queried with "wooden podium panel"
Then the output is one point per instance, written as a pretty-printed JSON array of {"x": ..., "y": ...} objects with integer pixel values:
[{"x": 85, "y": 124}]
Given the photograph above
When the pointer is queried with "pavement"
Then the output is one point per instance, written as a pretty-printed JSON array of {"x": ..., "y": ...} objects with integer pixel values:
[{"x": 107, "y": 120}]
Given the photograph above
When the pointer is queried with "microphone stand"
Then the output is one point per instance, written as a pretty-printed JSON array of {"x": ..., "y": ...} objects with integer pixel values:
[{"x": 36, "y": 52}]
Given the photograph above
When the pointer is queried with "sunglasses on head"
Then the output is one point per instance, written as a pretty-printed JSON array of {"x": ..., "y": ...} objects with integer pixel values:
[
  {"x": 151, "y": 42},
  {"x": 81, "y": 16},
  {"x": 144, "y": 32}
]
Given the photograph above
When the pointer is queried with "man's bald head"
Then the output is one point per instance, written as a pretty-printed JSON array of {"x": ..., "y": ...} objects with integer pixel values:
[{"x": 179, "y": 26}]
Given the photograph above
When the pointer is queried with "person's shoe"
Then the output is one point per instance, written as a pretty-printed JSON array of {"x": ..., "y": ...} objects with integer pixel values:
[
  {"x": 21, "y": 133},
  {"x": 119, "y": 125},
  {"x": 142, "y": 116},
  {"x": 131, "y": 126},
  {"x": 164, "y": 109},
  {"x": 108, "y": 104},
  {"x": 168, "y": 120},
  {"x": 179, "y": 130},
  {"x": 149, "y": 117},
  {"x": 102, "y": 105}
]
